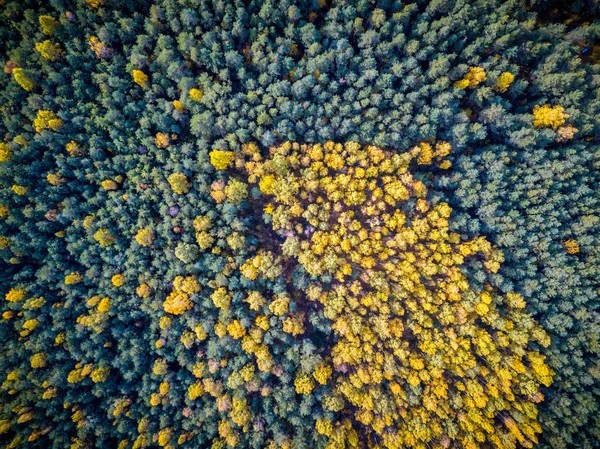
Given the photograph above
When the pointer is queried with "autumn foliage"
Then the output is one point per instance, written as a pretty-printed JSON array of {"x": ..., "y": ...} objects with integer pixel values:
[
  {"x": 299, "y": 224},
  {"x": 418, "y": 349}
]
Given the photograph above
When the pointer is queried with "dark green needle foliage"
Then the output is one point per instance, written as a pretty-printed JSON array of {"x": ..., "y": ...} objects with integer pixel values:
[{"x": 158, "y": 286}]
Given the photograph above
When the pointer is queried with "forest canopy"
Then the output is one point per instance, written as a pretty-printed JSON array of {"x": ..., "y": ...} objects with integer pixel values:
[{"x": 300, "y": 224}]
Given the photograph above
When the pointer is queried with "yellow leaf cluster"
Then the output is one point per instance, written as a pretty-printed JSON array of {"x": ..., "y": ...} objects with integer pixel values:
[
  {"x": 109, "y": 184},
  {"x": 221, "y": 298},
  {"x": 160, "y": 367},
  {"x": 22, "y": 79},
  {"x": 139, "y": 78},
  {"x": 144, "y": 237},
  {"x": 34, "y": 303},
  {"x": 49, "y": 393},
  {"x": 4, "y": 242},
  {"x": 47, "y": 120},
  {"x": 143, "y": 290},
  {"x": 280, "y": 305},
  {"x": 104, "y": 237},
  {"x": 95, "y": 4},
  {"x": 79, "y": 373},
  {"x": 97, "y": 318},
  {"x": 266, "y": 184},
  {"x": 88, "y": 221},
  {"x": 236, "y": 330},
  {"x": 571, "y": 246},
  {"x": 265, "y": 263},
  {"x": 164, "y": 388},
  {"x": 566, "y": 133},
  {"x": 262, "y": 321},
  {"x": 74, "y": 149},
  {"x": 195, "y": 390},
  {"x": 120, "y": 405},
  {"x": 179, "y": 183},
  {"x": 322, "y": 373},
  {"x": 20, "y": 140},
  {"x": 98, "y": 47},
  {"x": 73, "y": 278},
  {"x": 29, "y": 326},
  {"x": 548, "y": 116},
  {"x": 100, "y": 374},
  {"x": 324, "y": 427},
  {"x": 177, "y": 303},
  {"x": 504, "y": 81},
  {"x": 19, "y": 190},
  {"x": 187, "y": 284},
  {"x": 221, "y": 160},
  {"x": 220, "y": 329},
  {"x": 256, "y": 300},
  {"x": 38, "y": 360},
  {"x": 5, "y": 152},
  {"x": 417, "y": 349},
  {"x": 104, "y": 305},
  {"x": 49, "y": 51},
  {"x": 161, "y": 140},
  {"x": 202, "y": 223},
  {"x": 55, "y": 179},
  {"x": 294, "y": 324},
  {"x": 118, "y": 280},
  {"x": 196, "y": 94},
  {"x": 48, "y": 24},
  {"x": 474, "y": 77},
  {"x": 304, "y": 384}
]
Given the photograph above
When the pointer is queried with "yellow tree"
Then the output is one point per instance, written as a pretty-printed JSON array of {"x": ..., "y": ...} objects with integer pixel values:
[{"x": 421, "y": 356}]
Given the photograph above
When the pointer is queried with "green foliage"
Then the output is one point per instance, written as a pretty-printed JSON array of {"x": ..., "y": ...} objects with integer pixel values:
[
  {"x": 159, "y": 285},
  {"x": 187, "y": 252}
]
